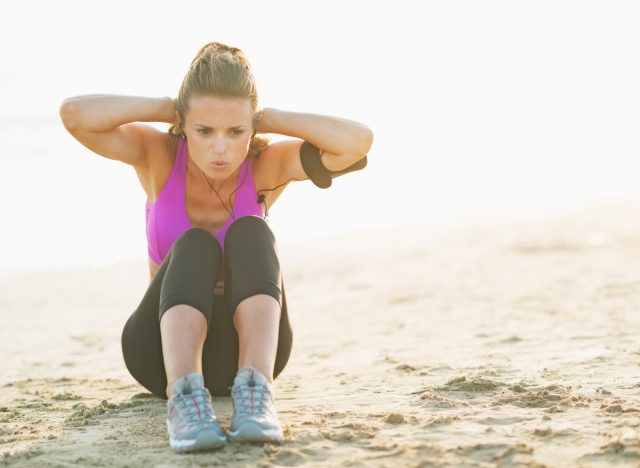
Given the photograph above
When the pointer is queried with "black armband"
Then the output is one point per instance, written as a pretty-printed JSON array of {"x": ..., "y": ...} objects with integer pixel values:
[{"x": 315, "y": 170}]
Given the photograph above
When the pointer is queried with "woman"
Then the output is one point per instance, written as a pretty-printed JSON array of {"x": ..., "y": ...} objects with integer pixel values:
[{"x": 214, "y": 318}]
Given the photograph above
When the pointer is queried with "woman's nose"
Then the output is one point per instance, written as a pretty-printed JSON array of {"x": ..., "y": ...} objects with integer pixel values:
[{"x": 219, "y": 144}]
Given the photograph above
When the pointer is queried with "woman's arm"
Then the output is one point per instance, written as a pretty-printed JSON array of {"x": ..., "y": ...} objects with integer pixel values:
[
  {"x": 103, "y": 112},
  {"x": 104, "y": 124},
  {"x": 343, "y": 141}
]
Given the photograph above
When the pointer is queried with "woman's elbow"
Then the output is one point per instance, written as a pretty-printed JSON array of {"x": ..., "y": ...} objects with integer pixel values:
[
  {"x": 67, "y": 114},
  {"x": 365, "y": 141}
]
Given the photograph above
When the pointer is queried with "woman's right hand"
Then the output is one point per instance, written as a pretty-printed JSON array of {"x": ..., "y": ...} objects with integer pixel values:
[{"x": 175, "y": 119}]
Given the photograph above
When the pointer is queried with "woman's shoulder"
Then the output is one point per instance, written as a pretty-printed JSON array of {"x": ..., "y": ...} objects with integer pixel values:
[
  {"x": 280, "y": 161},
  {"x": 269, "y": 168},
  {"x": 263, "y": 165}
]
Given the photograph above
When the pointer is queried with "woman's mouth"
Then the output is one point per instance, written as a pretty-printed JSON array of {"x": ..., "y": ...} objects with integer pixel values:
[{"x": 218, "y": 164}]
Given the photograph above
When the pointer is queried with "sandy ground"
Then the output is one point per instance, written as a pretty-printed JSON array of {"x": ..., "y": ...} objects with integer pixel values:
[{"x": 504, "y": 345}]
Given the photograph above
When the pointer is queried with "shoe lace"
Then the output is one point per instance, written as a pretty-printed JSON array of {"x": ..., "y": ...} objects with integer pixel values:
[
  {"x": 250, "y": 400},
  {"x": 193, "y": 407}
]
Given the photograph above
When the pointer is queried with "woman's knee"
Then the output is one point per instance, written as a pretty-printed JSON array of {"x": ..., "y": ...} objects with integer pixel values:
[
  {"x": 249, "y": 240},
  {"x": 197, "y": 240},
  {"x": 251, "y": 260},
  {"x": 248, "y": 227},
  {"x": 196, "y": 259}
]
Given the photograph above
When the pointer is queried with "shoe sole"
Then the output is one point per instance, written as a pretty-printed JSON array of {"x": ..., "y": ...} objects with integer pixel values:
[
  {"x": 205, "y": 440},
  {"x": 251, "y": 432}
]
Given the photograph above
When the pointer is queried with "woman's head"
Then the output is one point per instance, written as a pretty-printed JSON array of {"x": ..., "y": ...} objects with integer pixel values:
[{"x": 216, "y": 108}]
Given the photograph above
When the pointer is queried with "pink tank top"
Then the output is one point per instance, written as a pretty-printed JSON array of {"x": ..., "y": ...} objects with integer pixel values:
[{"x": 167, "y": 217}]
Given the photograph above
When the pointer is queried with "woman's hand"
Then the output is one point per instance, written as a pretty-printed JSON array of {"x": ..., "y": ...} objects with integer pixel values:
[
  {"x": 174, "y": 119},
  {"x": 257, "y": 117}
]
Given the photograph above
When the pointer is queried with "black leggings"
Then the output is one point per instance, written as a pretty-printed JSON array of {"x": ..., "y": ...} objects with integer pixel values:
[{"x": 188, "y": 275}]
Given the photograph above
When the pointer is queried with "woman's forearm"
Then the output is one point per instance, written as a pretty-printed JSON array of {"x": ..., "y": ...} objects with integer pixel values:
[
  {"x": 103, "y": 112},
  {"x": 331, "y": 134}
]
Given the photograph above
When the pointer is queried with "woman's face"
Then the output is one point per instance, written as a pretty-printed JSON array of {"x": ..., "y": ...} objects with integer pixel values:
[{"x": 218, "y": 130}]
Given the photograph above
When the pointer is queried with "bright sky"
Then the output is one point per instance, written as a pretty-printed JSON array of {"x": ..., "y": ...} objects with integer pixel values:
[{"x": 477, "y": 107}]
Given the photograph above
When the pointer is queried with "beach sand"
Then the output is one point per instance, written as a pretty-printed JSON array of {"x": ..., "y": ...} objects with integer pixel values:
[{"x": 514, "y": 344}]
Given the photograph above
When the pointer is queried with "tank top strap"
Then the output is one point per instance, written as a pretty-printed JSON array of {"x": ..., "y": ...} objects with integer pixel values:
[
  {"x": 249, "y": 185},
  {"x": 248, "y": 198}
]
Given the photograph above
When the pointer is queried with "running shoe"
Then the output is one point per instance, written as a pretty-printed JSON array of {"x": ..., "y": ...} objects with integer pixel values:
[
  {"x": 191, "y": 422},
  {"x": 254, "y": 414}
]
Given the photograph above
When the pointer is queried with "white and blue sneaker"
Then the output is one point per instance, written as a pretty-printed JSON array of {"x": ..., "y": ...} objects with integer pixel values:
[
  {"x": 254, "y": 414},
  {"x": 191, "y": 422}
]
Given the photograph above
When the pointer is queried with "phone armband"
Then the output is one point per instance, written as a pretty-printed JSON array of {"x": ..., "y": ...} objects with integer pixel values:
[{"x": 315, "y": 170}]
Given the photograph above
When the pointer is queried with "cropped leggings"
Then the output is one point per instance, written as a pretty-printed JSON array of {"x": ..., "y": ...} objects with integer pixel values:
[{"x": 187, "y": 275}]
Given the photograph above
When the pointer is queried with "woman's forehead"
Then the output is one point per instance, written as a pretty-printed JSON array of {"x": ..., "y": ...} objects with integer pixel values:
[{"x": 219, "y": 111}]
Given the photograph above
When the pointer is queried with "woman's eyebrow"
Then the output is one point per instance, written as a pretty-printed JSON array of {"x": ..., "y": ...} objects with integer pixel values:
[{"x": 209, "y": 128}]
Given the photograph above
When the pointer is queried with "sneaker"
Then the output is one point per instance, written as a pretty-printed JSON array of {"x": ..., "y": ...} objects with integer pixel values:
[
  {"x": 254, "y": 414},
  {"x": 191, "y": 423}
]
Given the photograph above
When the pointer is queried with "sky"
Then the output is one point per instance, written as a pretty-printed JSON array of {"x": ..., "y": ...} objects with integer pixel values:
[{"x": 480, "y": 109}]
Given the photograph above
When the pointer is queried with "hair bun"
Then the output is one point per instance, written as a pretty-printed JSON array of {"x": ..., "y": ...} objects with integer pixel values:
[
  {"x": 219, "y": 47},
  {"x": 217, "y": 50}
]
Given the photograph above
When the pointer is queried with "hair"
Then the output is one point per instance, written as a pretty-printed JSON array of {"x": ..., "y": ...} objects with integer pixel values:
[{"x": 222, "y": 71}]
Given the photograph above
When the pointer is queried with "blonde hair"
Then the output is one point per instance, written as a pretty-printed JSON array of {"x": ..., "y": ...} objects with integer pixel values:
[{"x": 223, "y": 71}]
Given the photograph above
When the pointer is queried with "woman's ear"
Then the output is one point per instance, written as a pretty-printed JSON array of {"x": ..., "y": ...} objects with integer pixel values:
[{"x": 256, "y": 120}]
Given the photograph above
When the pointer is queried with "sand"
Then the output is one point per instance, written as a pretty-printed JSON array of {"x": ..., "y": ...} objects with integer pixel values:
[{"x": 512, "y": 344}]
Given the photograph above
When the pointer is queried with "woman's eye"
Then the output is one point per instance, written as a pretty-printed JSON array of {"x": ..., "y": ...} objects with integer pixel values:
[{"x": 204, "y": 131}]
